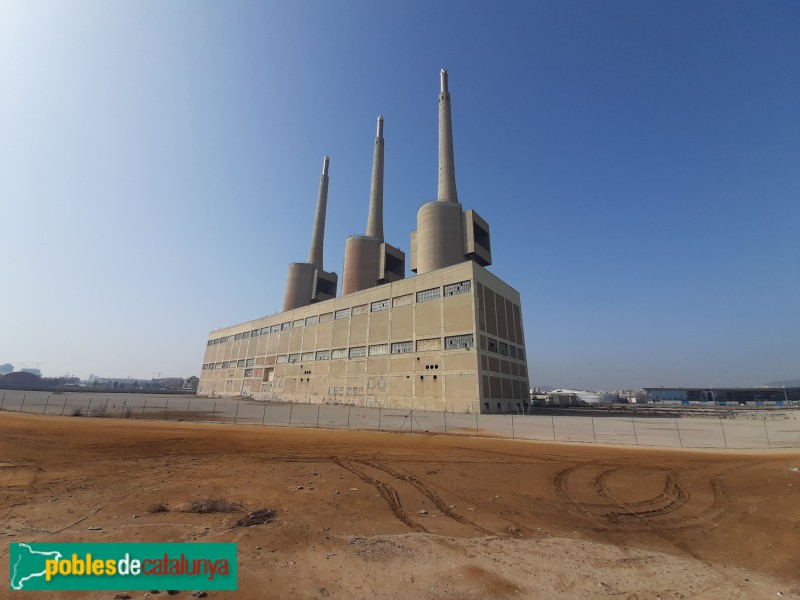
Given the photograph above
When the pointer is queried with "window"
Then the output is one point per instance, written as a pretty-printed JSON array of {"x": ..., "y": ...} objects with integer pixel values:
[
  {"x": 250, "y": 362},
  {"x": 458, "y": 341},
  {"x": 274, "y": 328},
  {"x": 503, "y": 349},
  {"x": 402, "y": 300},
  {"x": 431, "y": 294},
  {"x": 360, "y": 310},
  {"x": 323, "y": 354},
  {"x": 512, "y": 351},
  {"x": 293, "y": 358},
  {"x": 342, "y": 313},
  {"x": 210, "y": 342},
  {"x": 281, "y": 359},
  {"x": 492, "y": 344},
  {"x": 240, "y": 363},
  {"x": 285, "y": 326},
  {"x": 219, "y": 365},
  {"x": 520, "y": 354},
  {"x": 454, "y": 289},
  {"x": 237, "y": 337},
  {"x": 255, "y": 333},
  {"x": 312, "y": 320},
  {"x": 245, "y": 335},
  {"x": 298, "y": 323},
  {"x": 248, "y": 372},
  {"x": 430, "y": 344},
  {"x": 378, "y": 350},
  {"x": 226, "y": 364},
  {"x": 307, "y": 356},
  {"x": 326, "y": 317},
  {"x": 264, "y": 330},
  {"x": 358, "y": 352},
  {"x": 380, "y": 305},
  {"x": 339, "y": 353},
  {"x": 402, "y": 347}
]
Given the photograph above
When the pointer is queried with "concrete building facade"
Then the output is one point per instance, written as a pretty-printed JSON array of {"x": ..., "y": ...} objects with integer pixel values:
[{"x": 450, "y": 338}]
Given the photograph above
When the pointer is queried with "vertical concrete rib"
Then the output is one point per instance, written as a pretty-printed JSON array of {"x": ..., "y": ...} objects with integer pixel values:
[
  {"x": 315, "y": 253},
  {"x": 375, "y": 220},
  {"x": 447, "y": 167}
]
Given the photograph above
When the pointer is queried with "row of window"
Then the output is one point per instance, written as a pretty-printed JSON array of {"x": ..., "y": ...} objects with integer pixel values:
[
  {"x": 504, "y": 349},
  {"x": 452, "y": 289},
  {"x": 453, "y": 342}
]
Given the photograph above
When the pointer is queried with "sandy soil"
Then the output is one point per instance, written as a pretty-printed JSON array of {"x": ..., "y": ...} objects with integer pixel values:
[{"x": 502, "y": 519}]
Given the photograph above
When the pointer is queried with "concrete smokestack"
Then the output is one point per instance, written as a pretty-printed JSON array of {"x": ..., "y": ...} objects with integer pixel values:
[
  {"x": 315, "y": 253},
  {"x": 375, "y": 220},
  {"x": 447, "y": 167}
]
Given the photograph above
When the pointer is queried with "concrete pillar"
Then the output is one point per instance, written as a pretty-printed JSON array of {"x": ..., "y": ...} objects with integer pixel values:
[
  {"x": 375, "y": 220},
  {"x": 447, "y": 167},
  {"x": 317, "y": 239}
]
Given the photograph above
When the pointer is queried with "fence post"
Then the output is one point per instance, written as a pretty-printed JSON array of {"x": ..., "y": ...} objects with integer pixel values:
[
  {"x": 553, "y": 425},
  {"x": 380, "y": 410},
  {"x": 214, "y": 413},
  {"x": 594, "y": 433},
  {"x": 236, "y": 416},
  {"x": 412, "y": 420},
  {"x": 476, "y": 420},
  {"x": 46, "y": 402},
  {"x": 144, "y": 407},
  {"x": 63, "y": 407},
  {"x": 348, "y": 416},
  {"x": 89, "y": 410},
  {"x": 263, "y": 416},
  {"x": 291, "y": 406},
  {"x": 766, "y": 433},
  {"x": 635, "y": 435},
  {"x": 105, "y": 410},
  {"x": 166, "y": 404},
  {"x": 319, "y": 406},
  {"x": 678, "y": 429},
  {"x": 23, "y": 402},
  {"x": 122, "y": 410},
  {"x": 445, "y": 421},
  {"x": 187, "y": 409},
  {"x": 722, "y": 427},
  {"x": 513, "y": 435}
]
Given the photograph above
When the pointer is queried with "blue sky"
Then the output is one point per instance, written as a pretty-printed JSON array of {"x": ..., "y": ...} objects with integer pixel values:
[{"x": 638, "y": 163}]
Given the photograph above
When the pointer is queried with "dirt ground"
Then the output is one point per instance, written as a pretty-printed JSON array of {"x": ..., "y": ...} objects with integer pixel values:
[{"x": 379, "y": 515}]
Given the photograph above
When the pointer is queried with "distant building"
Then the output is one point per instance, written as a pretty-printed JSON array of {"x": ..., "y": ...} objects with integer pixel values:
[
  {"x": 739, "y": 396},
  {"x": 32, "y": 371},
  {"x": 6, "y": 368}
]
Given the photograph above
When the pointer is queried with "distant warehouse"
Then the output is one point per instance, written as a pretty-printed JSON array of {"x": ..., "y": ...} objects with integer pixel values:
[{"x": 757, "y": 396}]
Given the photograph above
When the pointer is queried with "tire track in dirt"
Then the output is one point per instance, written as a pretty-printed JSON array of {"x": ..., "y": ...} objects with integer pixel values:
[
  {"x": 647, "y": 513},
  {"x": 431, "y": 495},
  {"x": 387, "y": 492}
]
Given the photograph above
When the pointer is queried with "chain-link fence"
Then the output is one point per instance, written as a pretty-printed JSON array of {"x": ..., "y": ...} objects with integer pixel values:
[{"x": 755, "y": 429}]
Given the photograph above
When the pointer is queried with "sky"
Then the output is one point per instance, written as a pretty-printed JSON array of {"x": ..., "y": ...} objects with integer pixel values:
[{"x": 638, "y": 164}]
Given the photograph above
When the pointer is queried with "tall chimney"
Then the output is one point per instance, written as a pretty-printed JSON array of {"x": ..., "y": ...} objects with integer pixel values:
[
  {"x": 375, "y": 220},
  {"x": 315, "y": 253},
  {"x": 447, "y": 167}
]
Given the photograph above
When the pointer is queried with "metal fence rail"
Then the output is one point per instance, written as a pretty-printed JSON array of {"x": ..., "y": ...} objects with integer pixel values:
[{"x": 772, "y": 429}]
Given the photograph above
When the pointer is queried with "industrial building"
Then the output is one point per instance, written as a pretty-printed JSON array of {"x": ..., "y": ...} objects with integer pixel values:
[
  {"x": 449, "y": 338},
  {"x": 755, "y": 396}
]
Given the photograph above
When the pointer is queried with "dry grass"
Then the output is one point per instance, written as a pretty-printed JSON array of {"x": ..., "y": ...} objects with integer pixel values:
[
  {"x": 157, "y": 508},
  {"x": 207, "y": 505},
  {"x": 259, "y": 517}
]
